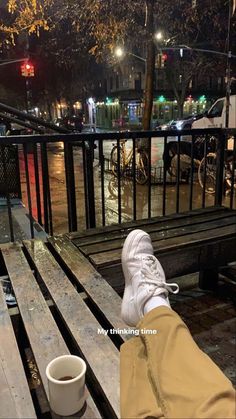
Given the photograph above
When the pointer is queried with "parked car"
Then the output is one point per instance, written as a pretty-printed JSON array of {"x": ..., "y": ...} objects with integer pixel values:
[
  {"x": 72, "y": 123},
  {"x": 180, "y": 124},
  {"x": 215, "y": 117}
]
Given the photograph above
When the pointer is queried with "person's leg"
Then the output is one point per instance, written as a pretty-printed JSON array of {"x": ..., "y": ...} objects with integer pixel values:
[
  {"x": 138, "y": 400},
  {"x": 137, "y": 395},
  {"x": 187, "y": 382},
  {"x": 184, "y": 381}
]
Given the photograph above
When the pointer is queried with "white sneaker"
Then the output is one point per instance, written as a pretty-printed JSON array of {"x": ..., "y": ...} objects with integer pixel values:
[{"x": 144, "y": 276}]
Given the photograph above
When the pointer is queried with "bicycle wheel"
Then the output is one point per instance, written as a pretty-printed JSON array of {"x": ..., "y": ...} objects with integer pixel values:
[
  {"x": 230, "y": 174},
  {"x": 207, "y": 173},
  {"x": 114, "y": 161},
  {"x": 141, "y": 172}
]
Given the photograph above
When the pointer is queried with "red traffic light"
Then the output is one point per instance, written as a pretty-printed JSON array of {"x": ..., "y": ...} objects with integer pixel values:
[
  {"x": 27, "y": 70},
  {"x": 163, "y": 60},
  {"x": 164, "y": 57}
]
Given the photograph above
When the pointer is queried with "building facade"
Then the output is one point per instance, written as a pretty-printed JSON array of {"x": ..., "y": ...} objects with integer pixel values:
[{"x": 124, "y": 84}]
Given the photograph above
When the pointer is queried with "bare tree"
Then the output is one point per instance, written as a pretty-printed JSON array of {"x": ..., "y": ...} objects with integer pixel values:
[{"x": 101, "y": 25}]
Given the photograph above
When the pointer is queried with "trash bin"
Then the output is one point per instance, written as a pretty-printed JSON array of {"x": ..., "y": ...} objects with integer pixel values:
[
  {"x": 9, "y": 171},
  {"x": 2, "y": 129}
]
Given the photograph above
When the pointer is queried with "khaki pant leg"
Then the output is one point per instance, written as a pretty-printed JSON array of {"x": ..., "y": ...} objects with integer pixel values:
[
  {"x": 187, "y": 381},
  {"x": 136, "y": 393}
]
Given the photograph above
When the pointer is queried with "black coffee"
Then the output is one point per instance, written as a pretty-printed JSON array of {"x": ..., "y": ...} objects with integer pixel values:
[{"x": 66, "y": 378}]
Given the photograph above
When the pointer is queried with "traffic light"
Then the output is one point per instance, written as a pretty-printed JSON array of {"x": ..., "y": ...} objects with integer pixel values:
[
  {"x": 161, "y": 60},
  {"x": 164, "y": 58},
  {"x": 27, "y": 69},
  {"x": 158, "y": 61}
]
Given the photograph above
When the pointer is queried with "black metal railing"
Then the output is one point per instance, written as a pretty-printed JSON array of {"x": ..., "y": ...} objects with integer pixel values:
[{"x": 108, "y": 177}]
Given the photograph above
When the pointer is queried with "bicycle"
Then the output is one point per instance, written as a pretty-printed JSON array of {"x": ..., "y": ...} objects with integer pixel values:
[
  {"x": 207, "y": 172},
  {"x": 126, "y": 162},
  {"x": 204, "y": 166}
]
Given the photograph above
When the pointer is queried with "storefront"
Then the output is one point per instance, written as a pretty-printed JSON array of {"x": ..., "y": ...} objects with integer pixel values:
[{"x": 116, "y": 114}]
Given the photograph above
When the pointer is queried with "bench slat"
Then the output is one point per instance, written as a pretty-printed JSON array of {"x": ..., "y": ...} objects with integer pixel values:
[
  {"x": 41, "y": 329},
  {"x": 99, "y": 351},
  {"x": 100, "y": 292},
  {"x": 150, "y": 227},
  {"x": 113, "y": 256},
  {"x": 101, "y": 231},
  {"x": 185, "y": 260},
  {"x": 162, "y": 234},
  {"x": 15, "y": 398},
  {"x": 43, "y": 334}
]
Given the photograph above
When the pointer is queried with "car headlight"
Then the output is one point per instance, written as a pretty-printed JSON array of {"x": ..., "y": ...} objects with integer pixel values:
[{"x": 179, "y": 125}]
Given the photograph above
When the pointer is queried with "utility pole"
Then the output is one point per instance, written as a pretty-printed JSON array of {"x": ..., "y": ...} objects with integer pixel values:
[
  {"x": 27, "y": 71},
  {"x": 228, "y": 68},
  {"x": 27, "y": 81},
  {"x": 228, "y": 90},
  {"x": 28, "y": 95},
  {"x": 150, "y": 65}
]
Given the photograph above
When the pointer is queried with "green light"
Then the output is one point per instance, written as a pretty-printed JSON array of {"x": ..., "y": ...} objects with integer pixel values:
[
  {"x": 202, "y": 98},
  {"x": 161, "y": 98},
  {"x": 108, "y": 100}
]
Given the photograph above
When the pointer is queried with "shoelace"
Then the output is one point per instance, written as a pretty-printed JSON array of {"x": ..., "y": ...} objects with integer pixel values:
[{"x": 151, "y": 275}]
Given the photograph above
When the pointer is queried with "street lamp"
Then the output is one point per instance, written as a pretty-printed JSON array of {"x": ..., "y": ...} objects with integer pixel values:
[
  {"x": 158, "y": 36},
  {"x": 120, "y": 52}
]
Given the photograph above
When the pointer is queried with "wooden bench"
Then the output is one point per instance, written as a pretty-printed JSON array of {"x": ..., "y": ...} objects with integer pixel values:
[
  {"x": 197, "y": 241},
  {"x": 65, "y": 304},
  {"x": 84, "y": 304},
  {"x": 15, "y": 398}
]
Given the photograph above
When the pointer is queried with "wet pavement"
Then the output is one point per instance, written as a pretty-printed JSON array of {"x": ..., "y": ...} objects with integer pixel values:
[
  {"x": 59, "y": 197},
  {"x": 211, "y": 319}
]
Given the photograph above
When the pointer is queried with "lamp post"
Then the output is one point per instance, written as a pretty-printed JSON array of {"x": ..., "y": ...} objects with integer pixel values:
[
  {"x": 27, "y": 71},
  {"x": 149, "y": 68},
  {"x": 120, "y": 52},
  {"x": 6, "y": 62}
]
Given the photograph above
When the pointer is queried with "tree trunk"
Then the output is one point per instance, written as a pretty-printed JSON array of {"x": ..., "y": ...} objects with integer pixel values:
[
  {"x": 150, "y": 66},
  {"x": 180, "y": 105},
  {"x": 49, "y": 109}
]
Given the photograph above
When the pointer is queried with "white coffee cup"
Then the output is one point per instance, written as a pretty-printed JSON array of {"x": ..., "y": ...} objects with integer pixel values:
[{"x": 66, "y": 384}]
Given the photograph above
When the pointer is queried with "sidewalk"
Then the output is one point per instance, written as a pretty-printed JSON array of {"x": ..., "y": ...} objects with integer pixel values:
[{"x": 211, "y": 319}]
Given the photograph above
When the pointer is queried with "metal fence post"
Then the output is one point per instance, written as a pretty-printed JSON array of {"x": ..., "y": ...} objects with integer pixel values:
[
  {"x": 220, "y": 157},
  {"x": 89, "y": 184},
  {"x": 3, "y": 153},
  {"x": 70, "y": 186}
]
